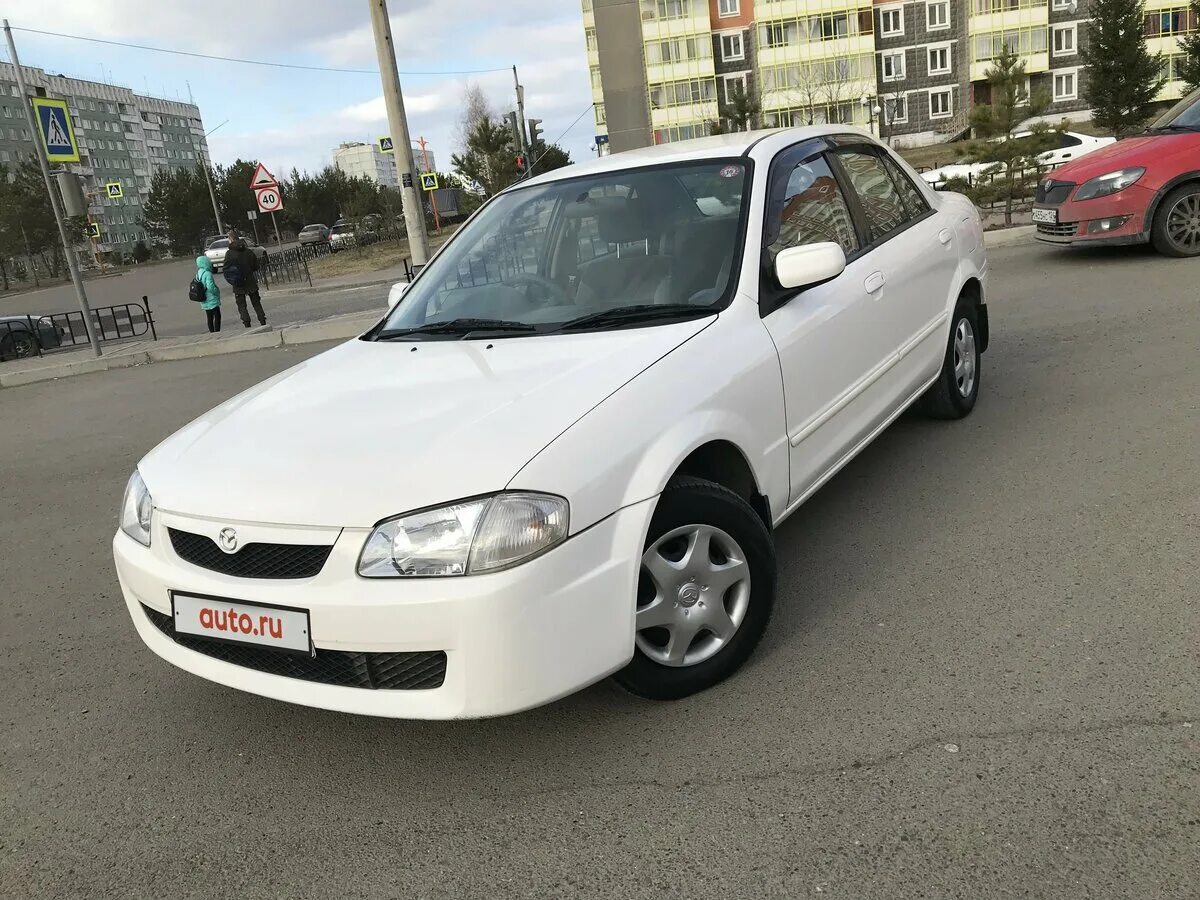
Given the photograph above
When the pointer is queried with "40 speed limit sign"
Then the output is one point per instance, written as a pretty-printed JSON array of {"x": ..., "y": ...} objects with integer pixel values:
[{"x": 269, "y": 199}]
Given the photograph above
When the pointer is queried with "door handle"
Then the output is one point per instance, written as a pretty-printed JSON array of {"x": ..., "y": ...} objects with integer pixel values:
[
  {"x": 945, "y": 235},
  {"x": 874, "y": 282}
]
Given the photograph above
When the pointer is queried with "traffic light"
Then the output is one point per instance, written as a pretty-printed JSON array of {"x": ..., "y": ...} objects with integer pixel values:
[
  {"x": 520, "y": 162},
  {"x": 535, "y": 132},
  {"x": 514, "y": 126}
]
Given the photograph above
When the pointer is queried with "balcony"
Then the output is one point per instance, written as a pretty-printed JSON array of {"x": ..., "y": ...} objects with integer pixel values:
[
  {"x": 770, "y": 10},
  {"x": 688, "y": 114},
  {"x": 654, "y": 29},
  {"x": 679, "y": 71},
  {"x": 1034, "y": 63},
  {"x": 1008, "y": 19},
  {"x": 818, "y": 95},
  {"x": 854, "y": 45}
]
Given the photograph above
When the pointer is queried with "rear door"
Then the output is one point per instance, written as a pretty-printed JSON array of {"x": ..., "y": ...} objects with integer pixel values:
[{"x": 914, "y": 254}]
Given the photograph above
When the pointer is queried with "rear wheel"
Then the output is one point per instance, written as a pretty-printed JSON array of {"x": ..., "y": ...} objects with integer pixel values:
[
  {"x": 705, "y": 591},
  {"x": 18, "y": 345},
  {"x": 954, "y": 393},
  {"x": 1176, "y": 228}
]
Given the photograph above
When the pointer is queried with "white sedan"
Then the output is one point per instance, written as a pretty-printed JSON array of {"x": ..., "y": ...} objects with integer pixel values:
[
  {"x": 562, "y": 452},
  {"x": 1071, "y": 145}
]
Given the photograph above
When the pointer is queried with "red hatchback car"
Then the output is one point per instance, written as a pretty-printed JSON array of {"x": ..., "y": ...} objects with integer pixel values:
[{"x": 1142, "y": 188}]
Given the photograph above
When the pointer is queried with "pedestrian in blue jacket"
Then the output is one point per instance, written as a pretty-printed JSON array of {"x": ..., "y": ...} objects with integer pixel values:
[{"x": 211, "y": 304}]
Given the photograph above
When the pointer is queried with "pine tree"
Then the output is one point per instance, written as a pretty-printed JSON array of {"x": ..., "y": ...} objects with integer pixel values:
[
  {"x": 741, "y": 112},
  {"x": 1123, "y": 77},
  {"x": 1189, "y": 47},
  {"x": 1013, "y": 158}
]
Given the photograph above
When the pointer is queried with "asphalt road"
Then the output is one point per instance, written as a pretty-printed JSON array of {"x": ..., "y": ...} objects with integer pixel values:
[
  {"x": 981, "y": 681},
  {"x": 166, "y": 284}
]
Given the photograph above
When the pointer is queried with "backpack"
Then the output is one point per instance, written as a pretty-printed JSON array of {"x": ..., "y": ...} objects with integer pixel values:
[
  {"x": 234, "y": 274},
  {"x": 197, "y": 292}
]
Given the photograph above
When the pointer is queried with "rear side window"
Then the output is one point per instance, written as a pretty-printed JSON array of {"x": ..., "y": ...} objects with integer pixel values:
[
  {"x": 813, "y": 211},
  {"x": 914, "y": 201},
  {"x": 877, "y": 193}
]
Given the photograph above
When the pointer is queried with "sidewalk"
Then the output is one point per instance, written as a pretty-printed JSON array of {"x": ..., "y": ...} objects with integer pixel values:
[{"x": 141, "y": 353}]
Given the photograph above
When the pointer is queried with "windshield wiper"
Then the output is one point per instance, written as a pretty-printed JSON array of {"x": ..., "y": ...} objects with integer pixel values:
[
  {"x": 464, "y": 326},
  {"x": 1174, "y": 127},
  {"x": 623, "y": 315}
]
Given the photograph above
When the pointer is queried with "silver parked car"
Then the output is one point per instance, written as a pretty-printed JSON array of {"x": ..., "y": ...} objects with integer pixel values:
[{"x": 313, "y": 234}]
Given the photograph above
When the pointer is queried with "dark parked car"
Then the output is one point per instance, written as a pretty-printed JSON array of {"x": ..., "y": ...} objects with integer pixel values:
[{"x": 20, "y": 335}]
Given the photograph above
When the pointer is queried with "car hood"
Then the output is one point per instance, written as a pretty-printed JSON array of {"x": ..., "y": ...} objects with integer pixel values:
[
  {"x": 369, "y": 430},
  {"x": 1132, "y": 151}
]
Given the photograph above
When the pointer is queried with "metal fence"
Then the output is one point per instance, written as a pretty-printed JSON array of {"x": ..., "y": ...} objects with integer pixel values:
[
  {"x": 285, "y": 267},
  {"x": 29, "y": 336},
  {"x": 1024, "y": 182}
]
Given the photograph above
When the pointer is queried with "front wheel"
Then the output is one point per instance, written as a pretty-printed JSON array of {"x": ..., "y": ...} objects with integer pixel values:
[
  {"x": 705, "y": 591},
  {"x": 1176, "y": 227}
]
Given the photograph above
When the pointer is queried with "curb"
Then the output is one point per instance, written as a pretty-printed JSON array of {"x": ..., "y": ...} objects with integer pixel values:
[
  {"x": 290, "y": 335},
  {"x": 1007, "y": 237},
  {"x": 318, "y": 288}
]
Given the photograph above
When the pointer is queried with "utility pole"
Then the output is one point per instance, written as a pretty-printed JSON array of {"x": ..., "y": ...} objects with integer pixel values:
[
  {"x": 521, "y": 118},
  {"x": 55, "y": 203},
  {"x": 212, "y": 195},
  {"x": 414, "y": 209},
  {"x": 437, "y": 224}
]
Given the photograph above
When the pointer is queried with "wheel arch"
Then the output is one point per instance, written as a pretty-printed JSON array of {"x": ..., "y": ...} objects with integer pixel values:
[
  {"x": 973, "y": 287},
  {"x": 722, "y": 462},
  {"x": 1161, "y": 193}
]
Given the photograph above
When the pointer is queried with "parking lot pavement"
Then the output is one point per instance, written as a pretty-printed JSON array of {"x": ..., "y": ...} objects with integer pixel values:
[{"x": 981, "y": 679}]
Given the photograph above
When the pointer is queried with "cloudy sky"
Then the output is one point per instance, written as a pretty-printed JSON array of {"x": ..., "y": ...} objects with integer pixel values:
[{"x": 295, "y": 118}]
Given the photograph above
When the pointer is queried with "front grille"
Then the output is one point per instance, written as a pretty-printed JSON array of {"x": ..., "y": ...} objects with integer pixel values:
[
  {"x": 252, "y": 560},
  {"x": 375, "y": 671},
  {"x": 1062, "y": 229},
  {"x": 1052, "y": 193}
]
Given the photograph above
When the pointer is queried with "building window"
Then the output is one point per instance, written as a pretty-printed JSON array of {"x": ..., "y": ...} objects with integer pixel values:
[
  {"x": 939, "y": 60},
  {"x": 895, "y": 110},
  {"x": 734, "y": 85},
  {"x": 1061, "y": 4},
  {"x": 1021, "y": 41},
  {"x": 937, "y": 15},
  {"x": 600, "y": 120},
  {"x": 891, "y": 21},
  {"x": 731, "y": 47},
  {"x": 1064, "y": 39},
  {"x": 589, "y": 33},
  {"x": 682, "y": 93},
  {"x": 940, "y": 106},
  {"x": 893, "y": 66},
  {"x": 8, "y": 113},
  {"x": 1169, "y": 21},
  {"x": 674, "y": 9},
  {"x": 726, "y": 8},
  {"x": 1064, "y": 86},
  {"x": 678, "y": 50},
  {"x": 595, "y": 71}
]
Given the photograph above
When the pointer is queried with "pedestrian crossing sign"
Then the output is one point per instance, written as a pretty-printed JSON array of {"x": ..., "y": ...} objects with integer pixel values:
[
  {"x": 114, "y": 190},
  {"x": 429, "y": 181},
  {"x": 93, "y": 230},
  {"x": 54, "y": 122},
  {"x": 385, "y": 145}
]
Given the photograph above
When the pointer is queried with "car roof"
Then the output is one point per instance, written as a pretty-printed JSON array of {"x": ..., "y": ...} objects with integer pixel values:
[{"x": 713, "y": 147}]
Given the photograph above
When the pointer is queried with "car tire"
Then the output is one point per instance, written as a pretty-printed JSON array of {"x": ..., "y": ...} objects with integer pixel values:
[
  {"x": 954, "y": 393},
  {"x": 680, "y": 592},
  {"x": 18, "y": 345},
  {"x": 1176, "y": 227}
]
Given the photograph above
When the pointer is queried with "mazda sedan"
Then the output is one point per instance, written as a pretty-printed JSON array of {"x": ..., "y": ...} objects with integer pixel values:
[{"x": 561, "y": 454}]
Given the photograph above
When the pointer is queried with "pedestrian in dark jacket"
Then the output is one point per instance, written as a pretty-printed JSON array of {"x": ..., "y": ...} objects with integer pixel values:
[{"x": 240, "y": 265}]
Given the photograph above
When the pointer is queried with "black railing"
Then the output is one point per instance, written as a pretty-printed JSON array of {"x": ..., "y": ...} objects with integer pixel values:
[
  {"x": 36, "y": 335},
  {"x": 285, "y": 267}
]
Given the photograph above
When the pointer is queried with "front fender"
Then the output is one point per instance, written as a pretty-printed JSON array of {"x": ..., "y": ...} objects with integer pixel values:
[{"x": 722, "y": 384}]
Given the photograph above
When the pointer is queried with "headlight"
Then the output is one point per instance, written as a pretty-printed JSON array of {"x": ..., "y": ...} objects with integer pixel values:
[
  {"x": 135, "y": 510},
  {"x": 1103, "y": 185},
  {"x": 466, "y": 538}
]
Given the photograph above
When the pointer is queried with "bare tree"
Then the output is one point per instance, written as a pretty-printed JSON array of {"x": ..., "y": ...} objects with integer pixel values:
[
  {"x": 835, "y": 89},
  {"x": 476, "y": 108}
]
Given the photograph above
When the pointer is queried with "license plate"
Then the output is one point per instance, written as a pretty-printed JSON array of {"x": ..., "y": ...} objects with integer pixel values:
[
  {"x": 242, "y": 623},
  {"x": 1049, "y": 216}
]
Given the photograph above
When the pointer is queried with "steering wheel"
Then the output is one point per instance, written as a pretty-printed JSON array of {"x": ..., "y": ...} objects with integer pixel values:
[{"x": 553, "y": 290}]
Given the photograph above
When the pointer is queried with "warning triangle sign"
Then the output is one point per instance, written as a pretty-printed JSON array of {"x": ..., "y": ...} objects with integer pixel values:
[
  {"x": 262, "y": 178},
  {"x": 56, "y": 130}
]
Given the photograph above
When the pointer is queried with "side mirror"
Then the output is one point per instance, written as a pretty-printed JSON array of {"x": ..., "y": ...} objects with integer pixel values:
[
  {"x": 798, "y": 267},
  {"x": 396, "y": 292}
]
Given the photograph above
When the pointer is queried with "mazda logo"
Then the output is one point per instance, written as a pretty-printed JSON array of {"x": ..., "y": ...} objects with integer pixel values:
[{"x": 227, "y": 540}]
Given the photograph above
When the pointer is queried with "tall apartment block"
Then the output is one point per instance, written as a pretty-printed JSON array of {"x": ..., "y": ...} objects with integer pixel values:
[
  {"x": 662, "y": 70},
  {"x": 122, "y": 136}
]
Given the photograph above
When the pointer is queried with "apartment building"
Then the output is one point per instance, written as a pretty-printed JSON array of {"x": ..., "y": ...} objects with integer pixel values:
[
  {"x": 663, "y": 70},
  {"x": 123, "y": 137}
]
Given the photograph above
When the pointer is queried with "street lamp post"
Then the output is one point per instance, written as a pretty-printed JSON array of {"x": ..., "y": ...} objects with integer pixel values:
[{"x": 212, "y": 195}]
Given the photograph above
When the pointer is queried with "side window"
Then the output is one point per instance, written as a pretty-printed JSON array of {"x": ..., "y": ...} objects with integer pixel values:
[
  {"x": 812, "y": 211},
  {"x": 914, "y": 201},
  {"x": 877, "y": 193},
  {"x": 1066, "y": 140}
]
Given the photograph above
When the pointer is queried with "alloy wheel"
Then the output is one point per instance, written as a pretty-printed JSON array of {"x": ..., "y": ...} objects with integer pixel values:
[
  {"x": 964, "y": 357},
  {"x": 1183, "y": 223},
  {"x": 693, "y": 595}
]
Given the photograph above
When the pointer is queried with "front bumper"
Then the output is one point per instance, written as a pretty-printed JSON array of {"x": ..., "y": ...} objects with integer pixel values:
[
  {"x": 513, "y": 640},
  {"x": 1078, "y": 221}
]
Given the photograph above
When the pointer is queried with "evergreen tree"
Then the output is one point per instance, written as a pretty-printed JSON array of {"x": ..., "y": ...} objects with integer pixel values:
[
  {"x": 1189, "y": 47},
  {"x": 1014, "y": 159},
  {"x": 487, "y": 161},
  {"x": 741, "y": 112},
  {"x": 1123, "y": 77}
]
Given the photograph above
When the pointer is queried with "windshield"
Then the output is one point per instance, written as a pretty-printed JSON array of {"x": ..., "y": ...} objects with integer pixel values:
[
  {"x": 1185, "y": 113},
  {"x": 218, "y": 244},
  {"x": 340, "y": 229},
  {"x": 311, "y": 228},
  {"x": 665, "y": 240}
]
